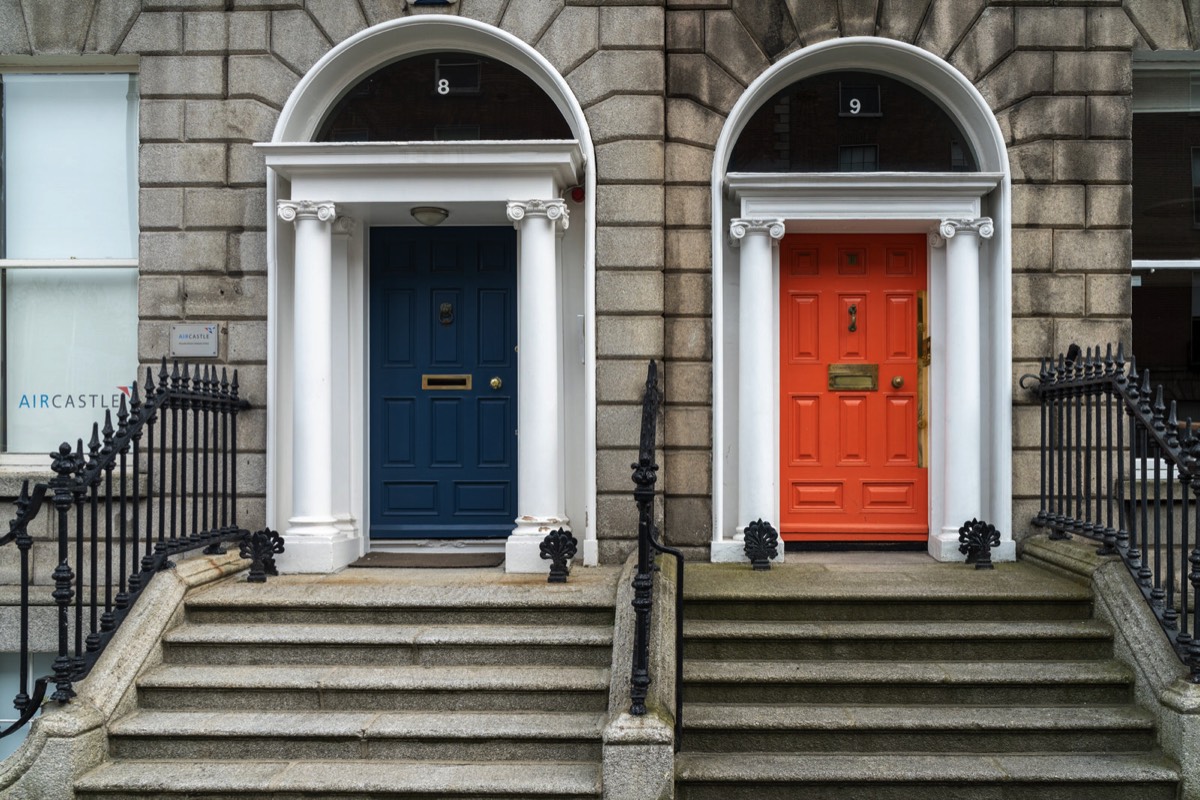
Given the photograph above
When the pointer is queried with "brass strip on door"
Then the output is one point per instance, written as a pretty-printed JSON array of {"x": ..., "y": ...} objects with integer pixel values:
[
  {"x": 456, "y": 383},
  {"x": 853, "y": 377}
]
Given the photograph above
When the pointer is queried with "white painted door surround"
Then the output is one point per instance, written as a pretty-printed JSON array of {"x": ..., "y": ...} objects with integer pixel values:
[
  {"x": 323, "y": 199},
  {"x": 967, "y": 218}
]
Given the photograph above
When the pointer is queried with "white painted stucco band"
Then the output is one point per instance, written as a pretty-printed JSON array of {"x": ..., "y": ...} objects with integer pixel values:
[{"x": 874, "y": 203}]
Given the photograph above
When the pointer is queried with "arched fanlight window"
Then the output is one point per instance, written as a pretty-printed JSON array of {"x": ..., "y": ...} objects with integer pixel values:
[
  {"x": 446, "y": 96},
  {"x": 851, "y": 122}
]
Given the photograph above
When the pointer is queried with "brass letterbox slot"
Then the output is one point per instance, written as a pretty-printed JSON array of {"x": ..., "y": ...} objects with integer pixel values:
[
  {"x": 853, "y": 377},
  {"x": 459, "y": 383}
]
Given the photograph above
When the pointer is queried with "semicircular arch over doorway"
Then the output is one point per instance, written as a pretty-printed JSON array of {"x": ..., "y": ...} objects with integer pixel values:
[
  {"x": 970, "y": 428},
  {"x": 367, "y": 185}
]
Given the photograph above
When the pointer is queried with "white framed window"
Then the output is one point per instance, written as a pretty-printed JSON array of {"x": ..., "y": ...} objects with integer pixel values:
[
  {"x": 40, "y": 664},
  {"x": 68, "y": 254}
]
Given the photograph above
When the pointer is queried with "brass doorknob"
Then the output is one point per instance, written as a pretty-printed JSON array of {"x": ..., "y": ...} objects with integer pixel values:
[
  {"x": 897, "y": 381},
  {"x": 496, "y": 383}
]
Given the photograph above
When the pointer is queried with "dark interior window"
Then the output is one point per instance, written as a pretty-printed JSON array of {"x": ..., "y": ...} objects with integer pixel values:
[
  {"x": 1166, "y": 185},
  {"x": 1166, "y": 228},
  {"x": 444, "y": 97},
  {"x": 851, "y": 121}
]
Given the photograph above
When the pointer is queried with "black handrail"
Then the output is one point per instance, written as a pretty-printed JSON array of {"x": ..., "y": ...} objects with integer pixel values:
[
  {"x": 83, "y": 487},
  {"x": 645, "y": 475},
  {"x": 1101, "y": 438}
]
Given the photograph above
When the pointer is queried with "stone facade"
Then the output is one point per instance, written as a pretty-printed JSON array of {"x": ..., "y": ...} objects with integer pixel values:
[{"x": 656, "y": 80}]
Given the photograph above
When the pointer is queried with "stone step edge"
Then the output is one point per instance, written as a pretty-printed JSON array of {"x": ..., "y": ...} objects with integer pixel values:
[
  {"x": 866, "y": 768},
  {"x": 398, "y": 635},
  {"x": 437, "y": 779},
  {"x": 457, "y": 725},
  {"x": 781, "y": 718},
  {"x": 342, "y": 678},
  {"x": 834, "y": 630},
  {"x": 835, "y": 672}
]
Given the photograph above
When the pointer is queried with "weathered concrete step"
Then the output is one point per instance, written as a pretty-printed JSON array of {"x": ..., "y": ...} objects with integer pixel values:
[
  {"x": 961, "y": 641},
  {"x": 916, "y": 729},
  {"x": 383, "y": 645},
  {"x": 442, "y": 736},
  {"x": 741, "y": 776},
  {"x": 414, "y": 597},
  {"x": 898, "y": 609},
  {"x": 310, "y": 688},
  {"x": 282, "y": 780},
  {"x": 907, "y": 682},
  {"x": 204, "y": 613}
]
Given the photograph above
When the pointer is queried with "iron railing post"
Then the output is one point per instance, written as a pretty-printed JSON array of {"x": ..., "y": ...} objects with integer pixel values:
[{"x": 645, "y": 475}]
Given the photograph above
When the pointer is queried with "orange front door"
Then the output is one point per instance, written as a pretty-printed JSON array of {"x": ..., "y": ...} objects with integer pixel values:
[{"x": 850, "y": 388}]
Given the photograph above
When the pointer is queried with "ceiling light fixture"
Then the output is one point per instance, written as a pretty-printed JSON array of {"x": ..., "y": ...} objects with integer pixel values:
[{"x": 429, "y": 215}]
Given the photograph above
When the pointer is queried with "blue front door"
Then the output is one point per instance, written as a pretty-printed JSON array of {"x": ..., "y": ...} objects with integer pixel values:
[{"x": 443, "y": 382}]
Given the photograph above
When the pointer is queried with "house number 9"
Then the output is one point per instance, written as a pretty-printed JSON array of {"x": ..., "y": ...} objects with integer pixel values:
[
  {"x": 443, "y": 87},
  {"x": 855, "y": 104}
]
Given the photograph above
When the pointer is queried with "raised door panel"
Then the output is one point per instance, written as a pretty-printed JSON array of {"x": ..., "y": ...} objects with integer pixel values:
[
  {"x": 849, "y": 459},
  {"x": 443, "y": 334}
]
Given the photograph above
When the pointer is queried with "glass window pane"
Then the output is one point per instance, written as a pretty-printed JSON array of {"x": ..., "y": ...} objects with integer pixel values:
[
  {"x": 856, "y": 121},
  {"x": 444, "y": 97},
  {"x": 70, "y": 166},
  {"x": 72, "y": 345},
  {"x": 41, "y": 665},
  {"x": 1164, "y": 185}
]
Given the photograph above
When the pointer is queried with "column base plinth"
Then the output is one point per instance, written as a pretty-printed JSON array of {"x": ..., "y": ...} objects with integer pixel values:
[
  {"x": 943, "y": 546},
  {"x": 733, "y": 550},
  {"x": 317, "y": 545},
  {"x": 522, "y": 550}
]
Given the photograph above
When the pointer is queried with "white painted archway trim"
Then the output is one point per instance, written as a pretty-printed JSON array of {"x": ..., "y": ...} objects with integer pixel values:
[
  {"x": 881, "y": 202},
  {"x": 317, "y": 92}
]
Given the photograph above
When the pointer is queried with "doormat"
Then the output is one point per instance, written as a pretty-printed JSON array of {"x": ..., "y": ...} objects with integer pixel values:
[{"x": 431, "y": 560}]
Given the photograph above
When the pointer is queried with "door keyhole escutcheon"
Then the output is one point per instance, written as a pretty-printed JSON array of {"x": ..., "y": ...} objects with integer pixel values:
[
  {"x": 496, "y": 383},
  {"x": 853, "y": 318},
  {"x": 897, "y": 381}
]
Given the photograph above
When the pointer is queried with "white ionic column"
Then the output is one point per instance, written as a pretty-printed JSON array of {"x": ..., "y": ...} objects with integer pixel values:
[
  {"x": 342, "y": 470},
  {"x": 314, "y": 542},
  {"x": 540, "y": 489},
  {"x": 962, "y": 494},
  {"x": 758, "y": 472}
]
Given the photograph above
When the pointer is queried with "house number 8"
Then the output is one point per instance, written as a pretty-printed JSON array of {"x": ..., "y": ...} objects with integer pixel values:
[
  {"x": 855, "y": 105},
  {"x": 443, "y": 87}
]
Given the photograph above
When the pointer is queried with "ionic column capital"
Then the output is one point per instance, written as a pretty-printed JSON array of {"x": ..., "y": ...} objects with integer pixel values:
[
  {"x": 344, "y": 226},
  {"x": 553, "y": 210},
  {"x": 292, "y": 210},
  {"x": 936, "y": 239},
  {"x": 738, "y": 228},
  {"x": 981, "y": 227}
]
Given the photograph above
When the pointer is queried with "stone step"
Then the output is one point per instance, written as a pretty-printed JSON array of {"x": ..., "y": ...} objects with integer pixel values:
[
  {"x": 876, "y": 609},
  {"x": 385, "y": 645},
  {"x": 413, "y": 597},
  {"x": 908, "y": 682},
  {"x": 960, "y": 641},
  {"x": 204, "y": 613},
  {"x": 915, "y": 729},
  {"x": 742, "y": 776},
  {"x": 339, "y": 780},
  {"x": 359, "y": 688},
  {"x": 309, "y": 735}
]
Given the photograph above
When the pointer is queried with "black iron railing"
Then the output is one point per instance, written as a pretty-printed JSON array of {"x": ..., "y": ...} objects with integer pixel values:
[
  {"x": 645, "y": 475},
  {"x": 163, "y": 481},
  {"x": 1117, "y": 466}
]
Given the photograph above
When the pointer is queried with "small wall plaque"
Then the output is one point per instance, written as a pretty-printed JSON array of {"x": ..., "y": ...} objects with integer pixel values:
[{"x": 197, "y": 340}]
